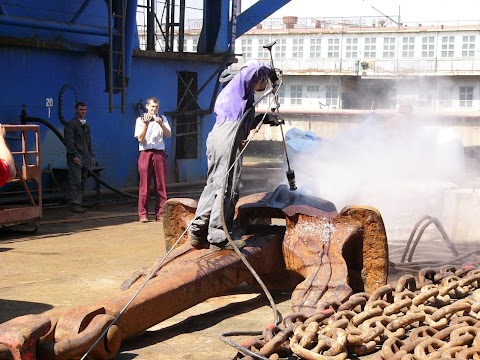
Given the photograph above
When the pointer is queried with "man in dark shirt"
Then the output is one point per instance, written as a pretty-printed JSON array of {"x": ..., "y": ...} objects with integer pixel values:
[{"x": 80, "y": 155}]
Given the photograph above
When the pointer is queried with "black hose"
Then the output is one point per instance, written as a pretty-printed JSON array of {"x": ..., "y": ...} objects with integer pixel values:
[
  {"x": 140, "y": 108},
  {"x": 25, "y": 119},
  {"x": 429, "y": 219},
  {"x": 60, "y": 101},
  {"x": 241, "y": 348}
]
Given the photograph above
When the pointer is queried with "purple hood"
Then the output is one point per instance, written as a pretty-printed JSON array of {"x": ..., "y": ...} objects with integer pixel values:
[{"x": 238, "y": 95}]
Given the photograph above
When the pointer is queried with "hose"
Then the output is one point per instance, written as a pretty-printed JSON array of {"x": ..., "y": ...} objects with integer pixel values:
[
  {"x": 277, "y": 314},
  {"x": 24, "y": 119},
  {"x": 60, "y": 101},
  {"x": 428, "y": 220},
  {"x": 140, "y": 108}
]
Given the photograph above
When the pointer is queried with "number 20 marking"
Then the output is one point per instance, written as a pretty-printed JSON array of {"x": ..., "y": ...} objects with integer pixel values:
[{"x": 49, "y": 102}]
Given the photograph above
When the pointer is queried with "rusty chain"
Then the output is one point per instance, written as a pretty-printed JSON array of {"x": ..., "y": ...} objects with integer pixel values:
[{"x": 432, "y": 316}]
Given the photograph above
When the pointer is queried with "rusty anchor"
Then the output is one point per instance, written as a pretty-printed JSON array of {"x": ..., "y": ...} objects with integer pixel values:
[{"x": 294, "y": 242}]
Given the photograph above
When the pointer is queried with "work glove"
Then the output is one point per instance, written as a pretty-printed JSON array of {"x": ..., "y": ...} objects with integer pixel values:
[
  {"x": 272, "y": 120},
  {"x": 273, "y": 75}
]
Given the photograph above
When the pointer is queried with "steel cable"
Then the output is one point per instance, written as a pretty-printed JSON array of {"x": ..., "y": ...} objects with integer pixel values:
[{"x": 160, "y": 264}]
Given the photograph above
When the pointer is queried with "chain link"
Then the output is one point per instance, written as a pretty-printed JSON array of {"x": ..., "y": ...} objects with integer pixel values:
[{"x": 434, "y": 315}]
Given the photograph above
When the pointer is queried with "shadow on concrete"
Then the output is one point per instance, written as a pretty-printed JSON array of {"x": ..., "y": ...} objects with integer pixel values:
[
  {"x": 10, "y": 309},
  {"x": 59, "y": 221},
  {"x": 201, "y": 322}
]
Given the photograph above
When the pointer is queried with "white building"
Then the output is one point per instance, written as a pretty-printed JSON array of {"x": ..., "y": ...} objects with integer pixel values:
[
  {"x": 337, "y": 70},
  {"x": 371, "y": 63}
]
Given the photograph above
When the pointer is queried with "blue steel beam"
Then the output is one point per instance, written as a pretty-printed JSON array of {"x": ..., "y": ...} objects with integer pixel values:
[
  {"x": 53, "y": 25},
  {"x": 213, "y": 10},
  {"x": 2, "y": 10},
  {"x": 256, "y": 14},
  {"x": 83, "y": 9},
  {"x": 222, "y": 42}
]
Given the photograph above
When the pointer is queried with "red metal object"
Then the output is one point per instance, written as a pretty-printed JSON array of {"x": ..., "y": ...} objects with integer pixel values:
[
  {"x": 320, "y": 254},
  {"x": 27, "y": 163}
]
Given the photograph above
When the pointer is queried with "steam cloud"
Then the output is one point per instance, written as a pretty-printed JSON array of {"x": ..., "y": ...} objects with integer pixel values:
[{"x": 402, "y": 169}]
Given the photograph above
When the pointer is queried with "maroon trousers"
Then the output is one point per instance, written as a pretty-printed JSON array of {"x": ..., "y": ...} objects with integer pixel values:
[{"x": 152, "y": 163}]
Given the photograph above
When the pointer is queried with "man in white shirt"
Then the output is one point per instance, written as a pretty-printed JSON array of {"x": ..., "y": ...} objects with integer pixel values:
[{"x": 150, "y": 128}]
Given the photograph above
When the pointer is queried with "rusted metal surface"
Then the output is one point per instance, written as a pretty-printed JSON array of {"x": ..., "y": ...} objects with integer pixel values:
[
  {"x": 19, "y": 336},
  {"x": 192, "y": 277},
  {"x": 319, "y": 253},
  {"x": 413, "y": 318},
  {"x": 335, "y": 254},
  {"x": 178, "y": 213}
]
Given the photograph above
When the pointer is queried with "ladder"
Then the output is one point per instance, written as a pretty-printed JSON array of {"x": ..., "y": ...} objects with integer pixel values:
[{"x": 116, "y": 53}]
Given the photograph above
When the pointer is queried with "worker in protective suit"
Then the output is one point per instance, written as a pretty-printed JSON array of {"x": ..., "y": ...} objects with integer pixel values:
[{"x": 235, "y": 118}]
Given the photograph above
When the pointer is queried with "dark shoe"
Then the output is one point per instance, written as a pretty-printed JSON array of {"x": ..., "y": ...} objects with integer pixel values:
[
  {"x": 143, "y": 219},
  {"x": 197, "y": 242},
  {"x": 227, "y": 246},
  {"x": 77, "y": 209}
]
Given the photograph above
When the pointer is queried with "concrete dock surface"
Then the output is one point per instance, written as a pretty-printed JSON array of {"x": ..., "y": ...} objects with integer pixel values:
[{"x": 80, "y": 259}]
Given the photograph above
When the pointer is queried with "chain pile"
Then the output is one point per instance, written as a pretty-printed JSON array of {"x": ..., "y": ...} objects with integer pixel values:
[{"x": 433, "y": 316}]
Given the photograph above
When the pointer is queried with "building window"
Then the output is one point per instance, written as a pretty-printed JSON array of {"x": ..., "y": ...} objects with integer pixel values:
[
  {"x": 247, "y": 48},
  {"x": 370, "y": 48},
  {"x": 195, "y": 43},
  {"x": 281, "y": 94},
  {"x": 425, "y": 98},
  {"x": 331, "y": 96},
  {"x": 313, "y": 91},
  {"x": 445, "y": 97},
  {"x": 297, "y": 50},
  {"x": 315, "y": 48},
  {"x": 428, "y": 46},
  {"x": 333, "y": 48},
  {"x": 313, "y": 95},
  {"x": 270, "y": 100},
  {"x": 468, "y": 46},
  {"x": 389, "y": 47},
  {"x": 466, "y": 96},
  {"x": 448, "y": 46},
  {"x": 408, "y": 47},
  {"x": 262, "y": 52},
  {"x": 281, "y": 49},
  {"x": 296, "y": 94},
  {"x": 351, "y": 50}
]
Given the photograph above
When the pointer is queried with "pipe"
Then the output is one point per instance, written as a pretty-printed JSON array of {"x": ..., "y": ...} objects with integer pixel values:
[
  {"x": 130, "y": 29},
  {"x": 7, "y": 199},
  {"x": 24, "y": 118},
  {"x": 53, "y": 25}
]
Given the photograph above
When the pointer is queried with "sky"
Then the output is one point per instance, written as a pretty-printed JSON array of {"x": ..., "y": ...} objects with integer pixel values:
[{"x": 410, "y": 10}]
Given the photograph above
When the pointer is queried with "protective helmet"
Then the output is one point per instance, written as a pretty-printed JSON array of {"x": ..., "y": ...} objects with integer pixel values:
[{"x": 226, "y": 76}]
